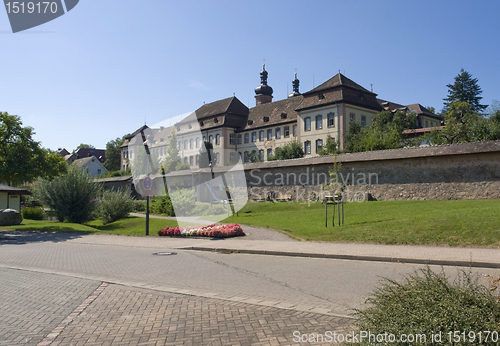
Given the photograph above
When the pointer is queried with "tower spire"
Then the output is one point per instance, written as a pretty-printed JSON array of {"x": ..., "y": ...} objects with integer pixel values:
[
  {"x": 295, "y": 84},
  {"x": 264, "y": 93}
]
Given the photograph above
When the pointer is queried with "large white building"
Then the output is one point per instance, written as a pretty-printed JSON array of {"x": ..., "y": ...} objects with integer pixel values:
[{"x": 238, "y": 131}]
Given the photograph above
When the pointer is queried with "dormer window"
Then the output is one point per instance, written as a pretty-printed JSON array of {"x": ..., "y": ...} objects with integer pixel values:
[
  {"x": 216, "y": 120},
  {"x": 283, "y": 115},
  {"x": 250, "y": 122},
  {"x": 201, "y": 123},
  {"x": 321, "y": 96},
  {"x": 266, "y": 119}
]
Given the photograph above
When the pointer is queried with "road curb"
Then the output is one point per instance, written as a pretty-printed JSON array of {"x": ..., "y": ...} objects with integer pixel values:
[{"x": 453, "y": 263}]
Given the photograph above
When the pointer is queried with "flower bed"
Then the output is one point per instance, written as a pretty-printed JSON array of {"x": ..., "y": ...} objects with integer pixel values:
[{"x": 213, "y": 231}]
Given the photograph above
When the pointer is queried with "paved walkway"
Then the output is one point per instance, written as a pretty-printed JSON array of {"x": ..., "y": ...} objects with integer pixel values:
[
  {"x": 439, "y": 255},
  {"x": 269, "y": 242}
]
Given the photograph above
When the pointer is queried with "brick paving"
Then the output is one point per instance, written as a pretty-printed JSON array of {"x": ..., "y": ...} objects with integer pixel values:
[
  {"x": 123, "y": 315},
  {"x": 33, "y": 304}
]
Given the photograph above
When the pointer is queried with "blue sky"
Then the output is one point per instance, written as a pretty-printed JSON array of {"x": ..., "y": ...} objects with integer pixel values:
[{"x": 106, "y": 67}]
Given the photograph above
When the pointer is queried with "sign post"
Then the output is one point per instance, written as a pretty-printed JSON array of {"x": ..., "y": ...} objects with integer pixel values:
[{"x": 147, "y": 184}]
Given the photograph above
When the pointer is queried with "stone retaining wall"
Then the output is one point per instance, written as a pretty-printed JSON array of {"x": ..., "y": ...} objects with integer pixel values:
[{"x": 462, "y": 171}]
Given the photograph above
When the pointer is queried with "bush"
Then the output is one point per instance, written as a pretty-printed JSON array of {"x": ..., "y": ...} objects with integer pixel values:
[
  {"x": 161, "y": 205},
  {"x": 183, "y": 200},
  {"x": 427, "y": 303},
  {"x": 33, "y": 213},
  {"x": 203, "y": 209},
  {"x": 139, "y": 206},
  {"x": 72, "y": 196},
  {"x": 115, "y": 205}
]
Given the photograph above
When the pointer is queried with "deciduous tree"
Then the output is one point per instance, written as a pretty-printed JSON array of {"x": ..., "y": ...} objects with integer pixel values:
[
  {"x": 172, "y": 161},
  {"x": 84, "y": 146},
  {"x": 385, "y": 132},
  {"x": 330, "y": 147},
  {"x": 22, "y": 159},
  {"x": 113, "y": 154},
  {"x": 291, "y": 150}
]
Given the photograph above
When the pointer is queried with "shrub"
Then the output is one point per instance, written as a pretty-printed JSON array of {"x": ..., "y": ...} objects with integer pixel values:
[
  {"x": 203, "y": 209},
  {"x": 72, "y": 196},
  {"x": 183, "y": 201},
  {"x": 115, "y": 205},
  {"x": 427, "y": 303},
  {"x": 161, "y": 205},
  {"x": 33, "y": 213},
  {"x": 139, "y": 205}
]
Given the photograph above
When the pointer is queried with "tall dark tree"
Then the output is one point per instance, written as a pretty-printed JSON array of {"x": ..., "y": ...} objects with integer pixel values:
[
  {"x": 465, "y": 89},
  {"x": 113, "y": 154}
]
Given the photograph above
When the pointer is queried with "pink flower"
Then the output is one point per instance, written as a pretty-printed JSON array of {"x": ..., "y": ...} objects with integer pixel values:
[{"x": 214, "y": 231}]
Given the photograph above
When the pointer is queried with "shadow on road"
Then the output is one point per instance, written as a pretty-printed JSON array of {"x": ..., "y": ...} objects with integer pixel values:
[{"x": 45, "y": 235}]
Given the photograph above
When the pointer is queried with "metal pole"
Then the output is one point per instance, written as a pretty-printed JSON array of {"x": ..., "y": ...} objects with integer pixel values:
[
  {"x": 326, "y": 213},
  {"x": 342, "y": 212},
  {"x": 333, "y": 215},
  {"x": 147, "y": 215},
  {"x": 338, "y": 210}
]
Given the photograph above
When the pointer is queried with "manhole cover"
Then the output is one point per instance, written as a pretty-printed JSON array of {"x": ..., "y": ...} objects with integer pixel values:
[{"x": 164, "y": 253}]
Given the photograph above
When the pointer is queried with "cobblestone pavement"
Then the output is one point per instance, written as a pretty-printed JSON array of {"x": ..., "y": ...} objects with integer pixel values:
[
  {"x": 33, "y": 304},
  {"x": 134, "y": 316}
]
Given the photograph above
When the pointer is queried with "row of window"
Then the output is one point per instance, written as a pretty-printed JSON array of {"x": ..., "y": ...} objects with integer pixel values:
[
  {"x": 307, "y": 150},
  {"x": 247, "y": 156},
  {"x": 307, "y": 146},
  {"x": 233, "y": 157},
  {"x": 128, "y": 155},
  {"x": 195, "y": 160},
  {"x": 319, "y": 122},
  {"x": 192, "y": 143},
  {"x": 269, "y": 135},
  {"x": 330, "y": 117}
]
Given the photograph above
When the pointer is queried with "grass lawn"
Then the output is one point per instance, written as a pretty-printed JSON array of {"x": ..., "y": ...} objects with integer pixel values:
[
  {"x": 129, "y": 226},
  {"x": 456, "y": 223}
]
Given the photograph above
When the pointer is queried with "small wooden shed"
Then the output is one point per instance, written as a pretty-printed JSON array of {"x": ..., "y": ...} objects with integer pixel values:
[{"x": 10, "y": 197}]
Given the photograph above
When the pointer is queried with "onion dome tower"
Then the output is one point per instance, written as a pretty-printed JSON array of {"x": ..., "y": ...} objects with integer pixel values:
[
  {"x": 264, "y": 93},
  {"x": 295, "y": 84}
]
